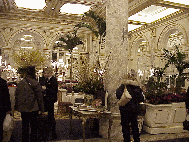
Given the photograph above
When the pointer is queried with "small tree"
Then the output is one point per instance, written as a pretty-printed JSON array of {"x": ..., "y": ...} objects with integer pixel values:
[
  {"x": 99, "y": 30},
  {"x": 24, "y": 58},
  {"x": 71, "y": 41},
  {"x": 178, "y": 59}
]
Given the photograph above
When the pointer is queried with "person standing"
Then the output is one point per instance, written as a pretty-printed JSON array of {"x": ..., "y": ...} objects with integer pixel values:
[
  {"x": 129, "y": 112},
  {"x": 50, "y": 88},
  {"x": 5, "y": 103},
  {"x": 29, "y": 101}
]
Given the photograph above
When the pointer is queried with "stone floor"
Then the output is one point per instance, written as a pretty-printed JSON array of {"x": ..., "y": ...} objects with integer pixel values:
[
  {"x": 145, "y": 137},
  {"x": 181, "y": 137}
]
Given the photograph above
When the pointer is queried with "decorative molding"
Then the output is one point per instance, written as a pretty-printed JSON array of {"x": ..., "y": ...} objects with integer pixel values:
[
  {"x": 160, "y": 23},
  {"x": 137, "y": 40},
  {"x": 32, "y": 31},
  {"x": 138, "y": 5},
  {"x": 163, "y": 38}
]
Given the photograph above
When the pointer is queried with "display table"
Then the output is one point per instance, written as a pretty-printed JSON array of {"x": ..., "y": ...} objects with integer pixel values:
[
  {"x": 66, "y": 99},
  {"x": 85, "y": 114},
  {"x": 63, "y": 96}
]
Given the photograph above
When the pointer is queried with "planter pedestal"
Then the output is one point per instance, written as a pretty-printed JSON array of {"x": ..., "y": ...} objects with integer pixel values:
[{"x": 165, "y": 118}]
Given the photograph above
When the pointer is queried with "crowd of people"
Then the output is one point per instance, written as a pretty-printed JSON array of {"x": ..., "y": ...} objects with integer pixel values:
[{"x": 33, "y": 98}]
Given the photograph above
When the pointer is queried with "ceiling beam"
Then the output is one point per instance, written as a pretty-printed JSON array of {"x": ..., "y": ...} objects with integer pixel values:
[{"x": 169, "y": 4}]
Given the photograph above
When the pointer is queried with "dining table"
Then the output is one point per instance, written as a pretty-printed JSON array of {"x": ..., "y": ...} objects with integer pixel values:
[{"x": 88, "y": 112}]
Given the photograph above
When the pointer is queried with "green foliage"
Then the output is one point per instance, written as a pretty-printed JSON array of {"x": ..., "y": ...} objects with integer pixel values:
[
  {"x": 178, "y": 59},
  {"x": 89, "y": 78},
  {"x": 100, "y": 24},
  {"x": 71, "y": 41},
  {"x": 24, "y": 58},
  {"x": 156, "y": 87}
]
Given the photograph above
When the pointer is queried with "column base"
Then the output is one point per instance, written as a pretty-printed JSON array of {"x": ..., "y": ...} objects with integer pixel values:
[{"x": 159, "y": 130}]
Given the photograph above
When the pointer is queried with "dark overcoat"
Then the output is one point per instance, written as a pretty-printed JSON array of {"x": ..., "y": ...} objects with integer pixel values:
[{"x": 5, "y": 104}]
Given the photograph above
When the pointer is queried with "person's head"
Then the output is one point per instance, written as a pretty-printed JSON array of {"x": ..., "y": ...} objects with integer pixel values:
[
  {"x": 31, "y": 72},
  {"x": 130, "y": 79},
  {"x": 48, "y": 72}
]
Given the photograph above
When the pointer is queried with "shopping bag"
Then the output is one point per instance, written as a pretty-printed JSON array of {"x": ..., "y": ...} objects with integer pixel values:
[
  {"x": 8, "y": 123},
  {"x": 125, "y": 98}
]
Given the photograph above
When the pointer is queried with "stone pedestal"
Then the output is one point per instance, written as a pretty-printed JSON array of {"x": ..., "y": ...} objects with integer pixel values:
[
  {"x": 165, "y": 118},
  {"x": 116, "y": 130}
]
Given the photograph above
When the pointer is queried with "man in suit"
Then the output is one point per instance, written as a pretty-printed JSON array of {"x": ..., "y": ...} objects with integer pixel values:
[
  {"x": 5, "y": 104},
  {"x": 50, "y": 86}
]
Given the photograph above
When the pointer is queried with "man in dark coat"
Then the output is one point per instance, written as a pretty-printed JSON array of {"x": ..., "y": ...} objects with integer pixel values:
[
  {"x": 50, "y": 86},
  {"x": 5, "y": 104},
  {"x": 129, "y": 112}
]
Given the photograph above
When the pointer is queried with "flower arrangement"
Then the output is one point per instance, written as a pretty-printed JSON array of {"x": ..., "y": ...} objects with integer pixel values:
[
  {"x": 90, "y": 78},
  {"x": 157, "y": 91}
]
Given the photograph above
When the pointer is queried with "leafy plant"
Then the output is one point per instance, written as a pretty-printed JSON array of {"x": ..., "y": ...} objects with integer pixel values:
[
  {"x": 178, "y": 59},
  {"x": 24, "y": 58},
  {"x": 71, "y": 40},
  {"x": 100, "y": 25},
  {"x": 90, "y": 79},
  {"x": 100, "y": 29},
  {"x": 155, "y": 87}
]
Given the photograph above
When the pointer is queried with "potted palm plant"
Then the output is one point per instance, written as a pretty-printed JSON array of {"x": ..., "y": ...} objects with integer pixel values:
[{"x": 178, "y": 59}]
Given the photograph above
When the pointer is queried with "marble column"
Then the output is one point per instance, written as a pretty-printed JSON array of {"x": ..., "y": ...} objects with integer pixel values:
[
  {"x": 116, "y": 47},
  {"x": 116, "y": 52}
]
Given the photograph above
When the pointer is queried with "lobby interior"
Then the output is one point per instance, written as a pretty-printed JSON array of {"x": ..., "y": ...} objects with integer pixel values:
[{"x": 137, "y": 31}]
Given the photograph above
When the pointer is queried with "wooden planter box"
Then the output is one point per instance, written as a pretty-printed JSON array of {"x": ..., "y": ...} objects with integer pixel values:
[{"x": 164, "y": 118}]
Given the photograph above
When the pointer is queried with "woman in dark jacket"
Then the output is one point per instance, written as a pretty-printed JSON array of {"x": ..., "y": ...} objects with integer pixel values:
[
  {"x": 5, "y": 104},
  {"x": 129, "y": 112},
  {"x": 29, "y": 101}
]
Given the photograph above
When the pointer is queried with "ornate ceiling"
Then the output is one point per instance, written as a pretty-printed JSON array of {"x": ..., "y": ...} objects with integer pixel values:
[{"x": 50, "y": 18}]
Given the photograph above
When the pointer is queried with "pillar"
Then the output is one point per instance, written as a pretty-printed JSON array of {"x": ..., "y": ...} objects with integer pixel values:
[
  {"x": 116, "y": 50},
  {"x": 116, "y": 46}
]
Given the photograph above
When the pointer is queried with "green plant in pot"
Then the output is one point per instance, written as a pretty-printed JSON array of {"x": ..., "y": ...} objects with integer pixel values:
[{"x": 157, "y": 91}]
